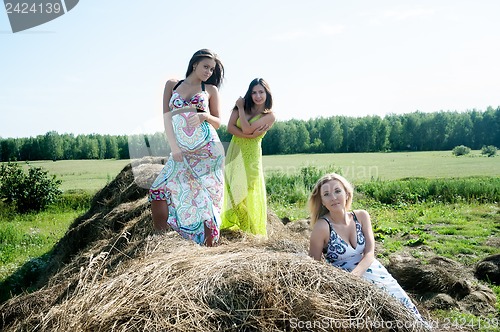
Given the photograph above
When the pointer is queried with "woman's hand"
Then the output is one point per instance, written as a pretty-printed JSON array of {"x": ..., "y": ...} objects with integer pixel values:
[
  {"x": 196, "y": 119},
  {"x": 261, "y": 130},
  {"x": 176, "y": 154},
  {"x": 357, "y": 273},
  {"x": 240, "y": 103}
]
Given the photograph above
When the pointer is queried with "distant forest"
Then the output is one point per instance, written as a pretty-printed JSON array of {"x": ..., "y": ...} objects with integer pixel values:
[{"x": 415, "y": 131}]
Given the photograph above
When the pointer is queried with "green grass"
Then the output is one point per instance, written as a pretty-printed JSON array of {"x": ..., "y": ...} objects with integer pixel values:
[
  {"x": 87, "y": 175},
  {"x": 26, "y": 237},
  {"x": 456, "y": 320},
  {"x": 463, "y": 232},
  {"x": 360, "y": 167},
  {"x": 450, "y": 190},
  {"x": 357, "y": 167}
]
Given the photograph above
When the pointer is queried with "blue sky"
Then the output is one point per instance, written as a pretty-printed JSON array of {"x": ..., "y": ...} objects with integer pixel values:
[{"x": 101, "y": 67}]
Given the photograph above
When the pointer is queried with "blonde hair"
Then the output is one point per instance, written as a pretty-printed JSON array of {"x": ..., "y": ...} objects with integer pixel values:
[{"x": 316, "y": 208}]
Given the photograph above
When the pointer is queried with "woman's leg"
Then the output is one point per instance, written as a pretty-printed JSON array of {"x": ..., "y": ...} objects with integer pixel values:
[
  {"x": 209, "y": 240},
  {"x": 159, "y": 210}
]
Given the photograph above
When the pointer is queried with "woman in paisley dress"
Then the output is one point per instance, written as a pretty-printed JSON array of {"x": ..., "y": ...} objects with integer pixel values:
[
  {"x": 188, "y": 192},
  {"x": 345, "y": 238},
  {"x": 245, "y": 206}
]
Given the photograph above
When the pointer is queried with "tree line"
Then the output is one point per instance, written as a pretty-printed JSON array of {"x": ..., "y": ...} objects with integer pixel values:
[
  {"x": 415, "y": 131},
  {"x": 54, "y": 146}
]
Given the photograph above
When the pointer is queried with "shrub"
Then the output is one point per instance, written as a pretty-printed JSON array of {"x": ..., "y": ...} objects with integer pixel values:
[
  {"x": 489, "y": 150},
  {"x": 460, "y": 150},
  {"x": 33, "y": 191}
]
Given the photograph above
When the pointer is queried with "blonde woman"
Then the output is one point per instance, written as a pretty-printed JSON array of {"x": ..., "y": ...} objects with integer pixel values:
[{"x": 344, "y": 237}]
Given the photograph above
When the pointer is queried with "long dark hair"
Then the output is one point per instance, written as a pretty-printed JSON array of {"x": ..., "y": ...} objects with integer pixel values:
[
  {"x": 217, "y": 75},
  {"x": 268, "y": 105}
]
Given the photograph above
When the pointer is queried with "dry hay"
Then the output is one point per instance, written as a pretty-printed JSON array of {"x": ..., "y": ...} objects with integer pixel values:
[{"x": 180, "y": 286}]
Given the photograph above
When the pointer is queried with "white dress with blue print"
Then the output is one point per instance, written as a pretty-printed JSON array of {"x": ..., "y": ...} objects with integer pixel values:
[{"x": 341, "y": 254}]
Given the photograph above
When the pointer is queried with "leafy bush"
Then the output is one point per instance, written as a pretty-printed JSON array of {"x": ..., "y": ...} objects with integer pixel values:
[
  {"x": 460, "y": 150},
  {"x": 489, "y": 150},
  {"x": 28, "y": 192}
]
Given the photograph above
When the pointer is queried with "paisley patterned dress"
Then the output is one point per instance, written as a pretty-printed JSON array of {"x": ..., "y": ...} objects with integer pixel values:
[
  {"x": 341, "y": 254},
  {"x": 192, "y": 188},
  {"x": 245, "y": 206}
]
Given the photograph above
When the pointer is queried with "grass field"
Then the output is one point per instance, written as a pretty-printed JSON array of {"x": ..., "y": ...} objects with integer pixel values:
[
  {"x": 27, "y": 237},
  {"x": 91, "y": 175},
  {"x": 87, "y": 175},
  {"x": 358, "y": 167}
]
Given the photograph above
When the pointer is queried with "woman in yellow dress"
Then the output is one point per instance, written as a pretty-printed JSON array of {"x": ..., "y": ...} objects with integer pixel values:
[{"x": 245, "y": 206}]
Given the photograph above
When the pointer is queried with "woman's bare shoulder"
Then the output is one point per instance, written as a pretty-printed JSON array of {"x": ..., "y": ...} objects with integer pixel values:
[
  {"x": 211, "y": 88},
  {"x": 362, "y": 215},
  {"x": 321, "y": 224},
  {"x": 269, "y": 115},
  {"x": 171, "y": 82}
]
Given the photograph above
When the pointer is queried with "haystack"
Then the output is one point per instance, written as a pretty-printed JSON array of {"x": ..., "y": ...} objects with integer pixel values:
[
  {"x": 176, "y": 285},
  {"x": 111, "y": 273}
]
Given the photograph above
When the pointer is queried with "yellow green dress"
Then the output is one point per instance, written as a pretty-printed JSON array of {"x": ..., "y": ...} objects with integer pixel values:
[{"x": 245, "y": 206}]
